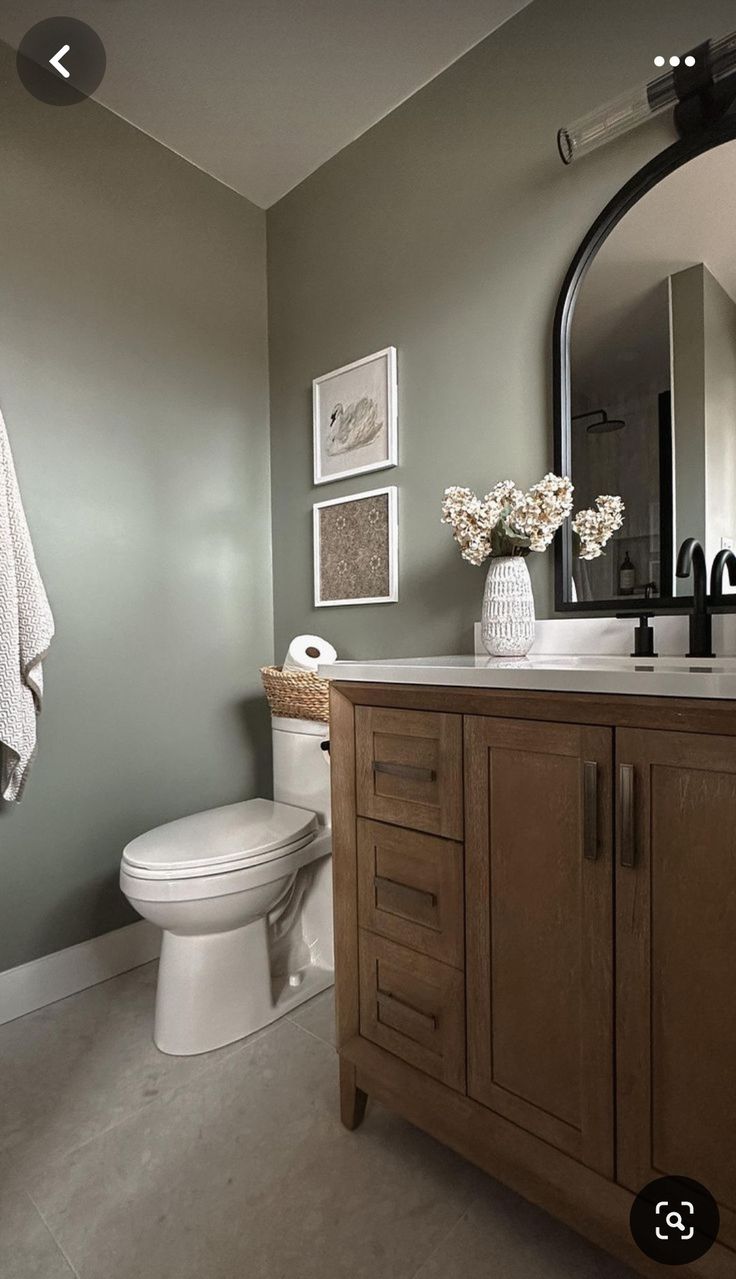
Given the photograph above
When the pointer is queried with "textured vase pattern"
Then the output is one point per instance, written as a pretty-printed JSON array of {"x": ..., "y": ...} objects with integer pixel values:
[{"x": 507, "y": 620}]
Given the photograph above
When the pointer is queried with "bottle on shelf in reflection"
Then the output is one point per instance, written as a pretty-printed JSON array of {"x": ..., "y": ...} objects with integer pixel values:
[{"x": 626, "y": 576}]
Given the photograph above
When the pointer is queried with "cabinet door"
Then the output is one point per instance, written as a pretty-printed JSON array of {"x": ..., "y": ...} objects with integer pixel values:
[
  {"x": 676, "y": 962},
  {"x": 539, "y": 909}
]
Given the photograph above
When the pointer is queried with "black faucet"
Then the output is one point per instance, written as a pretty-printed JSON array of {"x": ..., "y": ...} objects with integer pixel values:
[
  {"x": 691, "y": 559},
  {"x": 723, "y": 560}
]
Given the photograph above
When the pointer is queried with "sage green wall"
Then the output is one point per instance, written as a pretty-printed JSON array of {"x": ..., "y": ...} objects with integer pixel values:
[
  {"x": 133, "y": 380},
  {"x": 446, "y": 231}
]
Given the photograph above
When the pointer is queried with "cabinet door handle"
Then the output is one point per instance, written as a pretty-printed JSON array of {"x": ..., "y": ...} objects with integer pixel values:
[
  {"x": 408, "y": 890},
  {"x": 412, "y": 771},
  {"x": 626, "y": 813},
  {"x": 590, "y": 810},
  {"x": 425, "y": 1020}
]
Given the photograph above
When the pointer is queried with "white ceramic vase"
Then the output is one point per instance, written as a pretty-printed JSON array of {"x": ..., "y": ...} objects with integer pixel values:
[{"x": 507, "y": 619}]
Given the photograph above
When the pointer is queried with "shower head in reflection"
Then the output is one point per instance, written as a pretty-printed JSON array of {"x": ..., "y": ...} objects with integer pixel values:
[{"x": 605, "y": 424}]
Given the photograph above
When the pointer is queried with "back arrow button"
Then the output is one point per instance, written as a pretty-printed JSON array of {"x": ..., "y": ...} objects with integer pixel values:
[
  {"x": 61, "y": 61},
  {"x": 55, "y": 62}
]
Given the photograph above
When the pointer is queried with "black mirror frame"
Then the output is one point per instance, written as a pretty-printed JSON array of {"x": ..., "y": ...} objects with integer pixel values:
[{"x": 649, "y": 176}]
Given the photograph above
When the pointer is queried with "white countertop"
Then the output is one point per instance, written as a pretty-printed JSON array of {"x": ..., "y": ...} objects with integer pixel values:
[{"x": 652, "y": 677}]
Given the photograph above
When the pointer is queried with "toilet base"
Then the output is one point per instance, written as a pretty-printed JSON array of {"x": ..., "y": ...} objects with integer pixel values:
[{"x": 215, "y": 989}]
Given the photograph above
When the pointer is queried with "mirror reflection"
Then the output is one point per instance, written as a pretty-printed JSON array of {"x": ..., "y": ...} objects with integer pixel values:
[{"x": 653, "y": 381}]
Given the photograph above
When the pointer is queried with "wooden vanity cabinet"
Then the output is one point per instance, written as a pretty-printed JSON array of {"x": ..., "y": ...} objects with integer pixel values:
[{"x": 535, "y": 911}]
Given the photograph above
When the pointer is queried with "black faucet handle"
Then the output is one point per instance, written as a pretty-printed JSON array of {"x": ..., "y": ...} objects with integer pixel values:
[{"x": 643, "y": 633}]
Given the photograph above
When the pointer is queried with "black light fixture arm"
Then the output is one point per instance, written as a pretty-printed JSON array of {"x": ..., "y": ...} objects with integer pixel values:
[{"x": 701, "y": 99}]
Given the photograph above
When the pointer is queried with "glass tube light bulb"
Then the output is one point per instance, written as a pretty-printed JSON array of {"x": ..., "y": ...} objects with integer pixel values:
[
  {"x": 636, "y": 106},
  {"x": 616, "y": 118}
]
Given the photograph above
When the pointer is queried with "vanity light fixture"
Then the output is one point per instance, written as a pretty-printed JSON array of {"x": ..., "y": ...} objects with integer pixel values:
[{"x": 701, "y": 87}]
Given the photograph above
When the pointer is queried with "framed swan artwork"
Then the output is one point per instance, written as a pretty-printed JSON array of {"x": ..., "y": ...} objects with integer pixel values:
[{"x": 355, "y": 412}]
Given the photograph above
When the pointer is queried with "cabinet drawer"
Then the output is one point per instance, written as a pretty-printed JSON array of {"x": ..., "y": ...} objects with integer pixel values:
[
  {"x": 410, "y": 889},
  {"x": 409, "y": 769},
  {"x": 414, "y": 1007}
]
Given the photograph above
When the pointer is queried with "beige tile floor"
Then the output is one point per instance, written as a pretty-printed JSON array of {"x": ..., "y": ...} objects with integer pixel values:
[{"x": 119, "y": 1163}]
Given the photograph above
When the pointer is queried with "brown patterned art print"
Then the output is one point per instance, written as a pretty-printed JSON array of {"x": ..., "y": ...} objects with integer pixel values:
[{"x": 355, "y": 549}]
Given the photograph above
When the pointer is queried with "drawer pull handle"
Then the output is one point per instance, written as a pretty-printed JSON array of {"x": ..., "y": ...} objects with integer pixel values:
[
  {"x": 411, "y": 771},
  {"x": 391, "y": 1001},
  {"x": 382, "y": 881},
  {"x": 590, "y": 810},
  {"x": 626, "y": 812}
]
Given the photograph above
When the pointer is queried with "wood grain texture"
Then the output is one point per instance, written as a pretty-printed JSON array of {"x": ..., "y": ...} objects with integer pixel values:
[
  {"x": 540, "y": 944},
  {"x": 676, "y": 966},
  {"x": 590, "y": 1204},
  {"x": 414, "y": 1007},
  {"x": 410, "y": 889},
  {"x": 539, "y": 932},
  {"x": 696, "y": 715},
  {"x": 422, "y": 785},
  {"x": 344, "y": 864},
  {"x": 352, "y": 1099}
]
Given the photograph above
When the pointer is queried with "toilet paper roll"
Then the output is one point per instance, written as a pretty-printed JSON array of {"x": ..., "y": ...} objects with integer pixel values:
[{"x": 306, "y": 652}]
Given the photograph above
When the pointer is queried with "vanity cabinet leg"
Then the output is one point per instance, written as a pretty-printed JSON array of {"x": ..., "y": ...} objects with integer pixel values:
[{"x": 352, "y": 1098}]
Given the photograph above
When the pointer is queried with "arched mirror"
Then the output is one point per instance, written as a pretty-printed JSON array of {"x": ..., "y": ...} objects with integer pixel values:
[{"x": 645, "y": 376}]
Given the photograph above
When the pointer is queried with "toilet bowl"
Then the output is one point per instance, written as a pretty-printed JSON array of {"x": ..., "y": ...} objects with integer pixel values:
[{"x": 243, "y": 894}]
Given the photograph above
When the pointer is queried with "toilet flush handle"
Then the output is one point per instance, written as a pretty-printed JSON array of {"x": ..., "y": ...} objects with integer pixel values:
[{"x": 325, "y": 745}]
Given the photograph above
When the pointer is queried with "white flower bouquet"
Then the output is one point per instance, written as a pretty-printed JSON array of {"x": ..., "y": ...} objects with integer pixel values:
[{"x": 507, "y": 522}]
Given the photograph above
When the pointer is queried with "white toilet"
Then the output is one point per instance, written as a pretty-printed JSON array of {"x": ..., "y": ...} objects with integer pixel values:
[{"x": 243, "y": 894}]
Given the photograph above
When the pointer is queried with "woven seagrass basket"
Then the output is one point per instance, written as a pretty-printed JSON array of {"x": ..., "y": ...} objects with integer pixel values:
[{"x": 296, "y": 694}]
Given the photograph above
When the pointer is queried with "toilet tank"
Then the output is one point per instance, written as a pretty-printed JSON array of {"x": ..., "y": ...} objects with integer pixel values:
[{"x": 301, "y": 769}]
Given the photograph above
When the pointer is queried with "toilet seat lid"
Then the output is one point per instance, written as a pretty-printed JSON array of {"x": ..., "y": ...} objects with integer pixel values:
[{"x": 221, "y": 838}]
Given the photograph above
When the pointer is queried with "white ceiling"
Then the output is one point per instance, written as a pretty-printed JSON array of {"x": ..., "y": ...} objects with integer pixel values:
[{"x": 260, "y": 93}]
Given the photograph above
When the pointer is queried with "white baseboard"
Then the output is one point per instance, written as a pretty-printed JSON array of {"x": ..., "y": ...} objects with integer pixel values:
[{"x": 43, "y": 981}]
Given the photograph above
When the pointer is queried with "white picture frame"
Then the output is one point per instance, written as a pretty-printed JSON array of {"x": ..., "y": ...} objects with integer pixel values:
[
  {"x": 355, "y": 418},
  {"x": 353, "y": 564}
]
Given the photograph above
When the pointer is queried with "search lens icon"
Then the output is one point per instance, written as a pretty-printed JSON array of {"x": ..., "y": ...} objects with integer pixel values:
[{"x": 674, "y": 1220}]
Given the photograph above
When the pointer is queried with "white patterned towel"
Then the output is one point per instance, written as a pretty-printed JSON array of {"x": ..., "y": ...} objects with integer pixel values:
[{"x": 26, "y": 630}]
